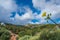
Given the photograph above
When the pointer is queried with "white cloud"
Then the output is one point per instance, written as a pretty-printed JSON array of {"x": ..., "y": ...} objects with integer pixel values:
[
  {"x": 25, "y": 18},
  {"x": 52, "y": 6},
  {"x": 34, "y": 23},
  {"x": 6, "y": 7},
  {"x": 8, "y": 4},
  {"x": 27, "y": 15}
]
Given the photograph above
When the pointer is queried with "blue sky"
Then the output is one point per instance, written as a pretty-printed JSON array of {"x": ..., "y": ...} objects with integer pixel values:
[{"x": 28, "y": 11}]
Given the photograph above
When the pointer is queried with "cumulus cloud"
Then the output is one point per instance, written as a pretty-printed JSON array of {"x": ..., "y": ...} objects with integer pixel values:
[
  {"x": 33, "y": 22},
  {"x": 50, "y": 6},
  {"x": 9, "y": 6},
  {"x": 25, "y": 18},
  {"x": 6, "y": 7}
]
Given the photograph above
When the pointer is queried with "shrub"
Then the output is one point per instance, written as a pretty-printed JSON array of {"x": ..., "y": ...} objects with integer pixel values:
[
  {"x": 4, "y": 34},
  {"x": 50, "y": 35},
  {"x": 22, "y": 33},
  {"x": 26, "y": 37}
]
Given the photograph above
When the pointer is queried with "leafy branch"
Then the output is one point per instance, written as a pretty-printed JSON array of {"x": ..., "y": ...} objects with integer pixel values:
[{"x": 48, "y": 17}]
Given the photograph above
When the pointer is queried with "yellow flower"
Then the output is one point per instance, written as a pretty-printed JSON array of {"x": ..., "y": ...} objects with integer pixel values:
[{"x": 43, "y": 14}]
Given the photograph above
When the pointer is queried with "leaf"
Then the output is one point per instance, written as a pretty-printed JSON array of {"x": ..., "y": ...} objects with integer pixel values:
[
  {"x": 50, "y": 14},
  {"x": 44, "y": 14}
]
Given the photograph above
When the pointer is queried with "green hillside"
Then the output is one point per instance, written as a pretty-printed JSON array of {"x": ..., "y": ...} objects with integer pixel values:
[{"x": 30, "y": 32}]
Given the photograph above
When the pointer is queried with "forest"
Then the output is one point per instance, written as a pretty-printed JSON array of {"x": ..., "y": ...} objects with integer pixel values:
[{"x": 30, "y": 32}]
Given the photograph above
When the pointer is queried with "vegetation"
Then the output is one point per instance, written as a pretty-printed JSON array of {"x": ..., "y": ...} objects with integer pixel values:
[
  {"x": 30, "y": 32},
  {"x": 4, "y": 34},
  {"x": 48, "y": 17}
]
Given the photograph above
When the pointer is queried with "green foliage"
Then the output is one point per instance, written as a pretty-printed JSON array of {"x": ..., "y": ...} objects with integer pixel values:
[
  {"x": 50, "y": 35},
  {"x": 45, "y": 34},
  {"x": 4, "y": 34},
  {"x": 47, "y": 16},
  {"x": 26, "y": 37},
  {"x": 31, "y": 32},
  {"x": 22, "y": 33}
]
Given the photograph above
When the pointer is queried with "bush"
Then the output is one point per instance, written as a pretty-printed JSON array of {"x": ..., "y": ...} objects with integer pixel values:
[
  {"x": 26, "y": 37},
  {"x": 4, "y": 34},
  {"x": 22, "y": 33},
  {"x": 50, "y": 35}
]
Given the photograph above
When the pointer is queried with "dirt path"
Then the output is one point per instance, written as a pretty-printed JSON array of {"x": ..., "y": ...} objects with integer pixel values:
[{"x": 13, "y": 36}]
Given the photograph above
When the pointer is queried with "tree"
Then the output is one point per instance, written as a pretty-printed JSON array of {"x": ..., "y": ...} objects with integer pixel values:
[
  {"x": 48, "y": 17},
  {"x": 4, "y": 34}
]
